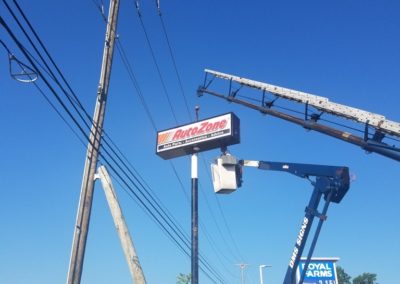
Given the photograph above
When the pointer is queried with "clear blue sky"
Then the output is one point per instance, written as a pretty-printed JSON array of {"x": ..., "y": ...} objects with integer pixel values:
[{"x": 348, "y": 51}]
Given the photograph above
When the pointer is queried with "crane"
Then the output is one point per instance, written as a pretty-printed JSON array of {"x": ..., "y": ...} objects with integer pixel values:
[
  {"x": 227, "y": 170},
  {"x": 331, "y": 183},
  {"x": 371, "y": 142}
]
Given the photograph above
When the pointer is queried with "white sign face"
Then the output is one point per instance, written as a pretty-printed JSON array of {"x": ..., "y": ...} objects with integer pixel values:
[{"x": 204, "y": 135}]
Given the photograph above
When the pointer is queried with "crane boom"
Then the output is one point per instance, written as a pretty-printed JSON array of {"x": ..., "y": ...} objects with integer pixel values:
[
  {"x": 370, "y": 142},
  {"x": 321, "y": 103}
]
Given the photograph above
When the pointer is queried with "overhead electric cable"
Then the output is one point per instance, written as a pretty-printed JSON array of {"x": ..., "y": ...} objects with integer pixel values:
[
  {"x": 53, "y": 91},
  {"x": 73, "y": 100},
  {"x": 50, "y": 87},
  {"x": 64, "y": 105},
  {"x": 155, "y": 62},
  {"x": 60, "y": 114},
  {"x": 225, "y": 241},
  {"x": 136, "y": 85},
  {"x": 205, "y": 264},
  {"x": 187, "y": 107},
  {"x": 22, "y": 49},
  {"x": 77, "y": 101},
  {"x": 173, "y": 60},
  {"x": 189, "y": 113},
  {"x": 218, "y": 253},
  {"x": 174, "y": 228},
  {"x": 238, "y": 254},
  {"x": 100, "y": 7}
]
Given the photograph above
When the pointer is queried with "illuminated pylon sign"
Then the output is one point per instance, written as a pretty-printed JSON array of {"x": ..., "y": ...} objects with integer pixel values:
[
  {"x": 320, "y": 270},
  {"x": 203, "y": 135}
]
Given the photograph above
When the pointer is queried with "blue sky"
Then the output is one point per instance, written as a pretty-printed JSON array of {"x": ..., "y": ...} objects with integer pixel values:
[{"x": 347, "y": 51}]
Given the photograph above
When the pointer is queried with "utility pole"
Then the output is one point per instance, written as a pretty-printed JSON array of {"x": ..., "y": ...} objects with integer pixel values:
[
  {"x": 122, "y": 229},
  {"x": 87, "y": 187}
]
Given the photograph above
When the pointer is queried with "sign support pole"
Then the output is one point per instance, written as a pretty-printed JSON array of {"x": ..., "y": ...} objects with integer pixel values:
[
  {"x": 190, "y": 139},
  {"x": 195, "y": 221},
  {"x": 195, "y": 213}
]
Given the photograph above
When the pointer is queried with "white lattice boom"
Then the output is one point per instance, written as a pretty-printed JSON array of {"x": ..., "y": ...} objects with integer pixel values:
[{"x": 379, "y": 122}]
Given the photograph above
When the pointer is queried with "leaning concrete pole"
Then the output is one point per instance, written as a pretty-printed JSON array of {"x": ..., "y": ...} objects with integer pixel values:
[{"x": 86, "y": 196}]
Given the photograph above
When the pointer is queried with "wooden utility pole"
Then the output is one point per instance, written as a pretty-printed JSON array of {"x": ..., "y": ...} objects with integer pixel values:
[
  {"x": 122, "y": 229},
  {"x": 86, "y": 196}
]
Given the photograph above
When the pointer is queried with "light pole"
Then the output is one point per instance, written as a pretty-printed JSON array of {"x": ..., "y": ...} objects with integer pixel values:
[
  {"x": 261, "y": 272},
  {"x": 242, "y": 266}
]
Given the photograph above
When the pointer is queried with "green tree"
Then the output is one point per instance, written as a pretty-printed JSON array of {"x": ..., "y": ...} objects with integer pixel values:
[
  {"x": 343, "y": 277},
  {"x": 365, "y": 278},
  {"x": 183, "y": 278}
]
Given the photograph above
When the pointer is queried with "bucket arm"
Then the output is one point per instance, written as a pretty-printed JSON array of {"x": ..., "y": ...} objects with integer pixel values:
[
  {"x": 331, "y": 182},
  {"x": 337, "y": 175}
]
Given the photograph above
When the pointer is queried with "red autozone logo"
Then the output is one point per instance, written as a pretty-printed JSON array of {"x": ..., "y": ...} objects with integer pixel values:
[
  {"x": 196, "y": 130},
  {"x": 203, "y": 128},
  {"x": 163, "y": 137}
]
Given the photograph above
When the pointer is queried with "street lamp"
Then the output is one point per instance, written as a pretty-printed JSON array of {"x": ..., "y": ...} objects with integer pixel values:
[{"x": 261, "y": 272}]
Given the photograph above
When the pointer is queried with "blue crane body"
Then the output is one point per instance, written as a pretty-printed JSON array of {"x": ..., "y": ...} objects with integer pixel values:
[{"x": 331, "y": 183}]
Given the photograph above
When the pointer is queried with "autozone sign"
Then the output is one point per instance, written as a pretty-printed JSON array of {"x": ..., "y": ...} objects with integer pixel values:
[{"x": 200, "y": 136}]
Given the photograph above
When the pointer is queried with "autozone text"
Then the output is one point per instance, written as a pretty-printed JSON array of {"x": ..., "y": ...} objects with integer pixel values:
[{"x": 204, "y": 127}]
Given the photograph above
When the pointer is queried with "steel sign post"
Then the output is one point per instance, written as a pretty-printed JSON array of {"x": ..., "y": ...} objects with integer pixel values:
[{"x": 195, "y": 221}]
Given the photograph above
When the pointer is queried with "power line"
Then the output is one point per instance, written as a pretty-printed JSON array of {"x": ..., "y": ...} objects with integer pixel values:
[
  {"x": 46, "y": 82},
  {"x": 48, "y": 68},
  {"x": 173, "y": 60},
  {"x": 136, "y": 85},
  {"x": 75, "y": 98},
  {"x": 155, "y": 62},
  {"x": 238, "y": 254},
  {"x": 133, "y": 78},
  {"x": 189, "y": 113}
]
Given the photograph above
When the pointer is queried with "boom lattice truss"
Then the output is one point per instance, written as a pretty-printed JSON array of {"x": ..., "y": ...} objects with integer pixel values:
[{"x": 383, "y": 128}]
